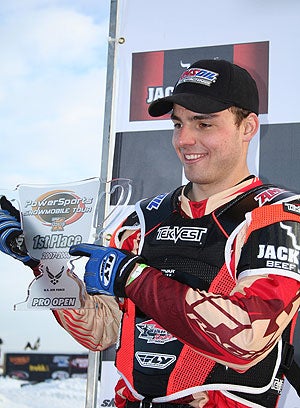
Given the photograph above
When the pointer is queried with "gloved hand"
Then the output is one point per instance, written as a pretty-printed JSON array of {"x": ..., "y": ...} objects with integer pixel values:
[
  {"x": 107, "y": 270},
  {"x": 11, "y": 235}
]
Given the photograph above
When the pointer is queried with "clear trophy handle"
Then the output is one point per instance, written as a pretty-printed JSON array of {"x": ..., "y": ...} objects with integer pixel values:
[{"x": 112, "y": 204}]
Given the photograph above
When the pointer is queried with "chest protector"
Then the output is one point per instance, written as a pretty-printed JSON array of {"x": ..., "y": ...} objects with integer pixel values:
[{"x": 157, "y": 366}]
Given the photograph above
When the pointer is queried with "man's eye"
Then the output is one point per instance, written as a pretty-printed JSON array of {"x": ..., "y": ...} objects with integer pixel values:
[
  {"x": 177, "y": 125},
  {"x": 204, "y": 125}
]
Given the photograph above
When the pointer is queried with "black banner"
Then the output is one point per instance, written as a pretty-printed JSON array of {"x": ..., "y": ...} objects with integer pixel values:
[{"x": 41, "y": 367}]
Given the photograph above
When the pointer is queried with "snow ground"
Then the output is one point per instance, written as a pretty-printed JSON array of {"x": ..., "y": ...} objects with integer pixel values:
[
  {"x": 52, "y": 394},
  {"x": 66, "y": 393},
  {"x": 70, "y": 393}
]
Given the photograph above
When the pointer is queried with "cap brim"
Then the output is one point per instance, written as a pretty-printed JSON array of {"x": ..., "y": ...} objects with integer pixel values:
[{"x": 195, "y": 103}]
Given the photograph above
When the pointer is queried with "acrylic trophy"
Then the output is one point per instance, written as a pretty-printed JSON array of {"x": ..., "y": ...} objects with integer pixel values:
[{"x": 55, "y": 217}]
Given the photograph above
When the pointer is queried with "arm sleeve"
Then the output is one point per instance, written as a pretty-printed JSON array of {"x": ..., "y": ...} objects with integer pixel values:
[
  {"x": 96, "y": 326},
  {"x": 236, "y": 330},
  {"x": 271, "y": 243}
]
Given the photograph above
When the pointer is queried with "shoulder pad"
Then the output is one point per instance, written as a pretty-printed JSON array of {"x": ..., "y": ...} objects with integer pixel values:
[
  {"x": 152, "y": 211},
  {"x": 132, "y": 220},
  {"x": 233, "y": 213}
]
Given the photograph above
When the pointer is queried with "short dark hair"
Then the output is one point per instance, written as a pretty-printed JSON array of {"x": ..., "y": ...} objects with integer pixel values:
[{"x": 239, "y": 113}]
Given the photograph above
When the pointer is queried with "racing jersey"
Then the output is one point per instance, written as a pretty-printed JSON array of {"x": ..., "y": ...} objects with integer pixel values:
[{"x": 237, "y": 330}]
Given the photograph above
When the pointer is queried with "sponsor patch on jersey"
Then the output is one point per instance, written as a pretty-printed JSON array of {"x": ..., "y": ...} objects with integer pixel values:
[
  {"x": 176, "y": 233},
  {"x": 156, "y": 202},
  {"x": 153, "y": 333},
  {"x": 268, "y": 195},
  {"x": 279, "y": 257},
  {"x": 199, "y": 76},
  {"x": 291, "y": 208},
  {"x": 154, "y": 360},
  {"x": 284, "y": 252}
]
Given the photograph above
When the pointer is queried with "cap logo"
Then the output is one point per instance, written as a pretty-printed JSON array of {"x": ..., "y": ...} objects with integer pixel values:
[{"x": 198, "y": 76}]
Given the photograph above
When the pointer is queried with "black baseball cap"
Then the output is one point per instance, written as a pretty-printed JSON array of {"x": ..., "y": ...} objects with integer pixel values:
[{"x": 209, "y": 86}]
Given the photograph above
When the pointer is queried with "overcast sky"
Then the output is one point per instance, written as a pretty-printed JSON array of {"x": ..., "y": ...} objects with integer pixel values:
[{"x": 52, "y": 88}]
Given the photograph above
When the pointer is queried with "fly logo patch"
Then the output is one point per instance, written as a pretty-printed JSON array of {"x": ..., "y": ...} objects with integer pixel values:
[
  {"x": 199, "y": 76},
  {"x": 154, "y": 360},
  {"x": 106, "y": 269},
  {"x": 153, "y": 333},
  {"x": 268, "y": 195},
  {"x": 156, "y": 202},
  {"x": 175, "y": 234}
]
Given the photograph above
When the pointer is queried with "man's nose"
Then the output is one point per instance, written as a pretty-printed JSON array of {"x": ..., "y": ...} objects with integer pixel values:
[{"x": 186, "y": 136}]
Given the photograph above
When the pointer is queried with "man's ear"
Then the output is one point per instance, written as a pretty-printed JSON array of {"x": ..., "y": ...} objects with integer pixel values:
[{"x": 251, "y": 126}]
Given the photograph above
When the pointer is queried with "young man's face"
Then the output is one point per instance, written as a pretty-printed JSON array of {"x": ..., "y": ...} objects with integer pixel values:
[{"x": 211, "y": 147}]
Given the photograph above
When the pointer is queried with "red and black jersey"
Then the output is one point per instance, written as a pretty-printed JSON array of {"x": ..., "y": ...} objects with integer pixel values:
[
  {"x": 220, "y": 296},
  {"x": 192, "y": 251}
]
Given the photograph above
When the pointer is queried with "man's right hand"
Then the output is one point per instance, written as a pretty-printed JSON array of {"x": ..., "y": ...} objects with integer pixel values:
[{"x": 11, "y": 234}]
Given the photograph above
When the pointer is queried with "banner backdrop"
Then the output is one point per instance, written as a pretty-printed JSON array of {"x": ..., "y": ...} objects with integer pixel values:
[{"x": 161, "y": 40}]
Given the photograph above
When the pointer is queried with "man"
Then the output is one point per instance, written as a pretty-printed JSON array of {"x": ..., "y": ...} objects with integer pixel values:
[{"x": 206, "y": 276}]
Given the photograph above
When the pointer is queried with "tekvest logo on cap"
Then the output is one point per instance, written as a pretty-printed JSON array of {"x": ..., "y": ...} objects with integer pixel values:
[{"x": 199, "y": 76}]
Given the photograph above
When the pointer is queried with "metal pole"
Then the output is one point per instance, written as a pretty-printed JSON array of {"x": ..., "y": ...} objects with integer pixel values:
[
  {"x": 94, "y": 357},
  {"x": 110, "y": 80},
  {"x": 93, "y": 374}
]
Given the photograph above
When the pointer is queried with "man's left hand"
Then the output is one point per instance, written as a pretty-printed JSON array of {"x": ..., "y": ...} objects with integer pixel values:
[{"x": 107, "y": 270}]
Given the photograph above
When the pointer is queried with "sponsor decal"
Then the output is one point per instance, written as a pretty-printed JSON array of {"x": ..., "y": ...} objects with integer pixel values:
[
  {"x": 153, "y": 333},
  {"x": 106, "y": 269},
  {"x": 168, "y": 272},
  {"x": 19, "y": 375},
  {"x": 158, "y": 92},
  {"x": 282, "y": 257},
  {"x": 185, "y": 64},
  {"x": 61, "y": 361},
  {"x": 58, "y": 208},
  {"x": 175, "y": 233},
  {"x": 19, "y": 360},
  {"x": 60, "y": 375},
  {"x": 199, "y": 76},
  {"x": 268, "y": 195},
  {"x": 154, "y": 360},
  {"x": 41, "y": 368},
  {"x": 108, "y": 403},
  {"x": 156, "y": 202},
  {"x": 79, "y": 362},
  {"x": 279, "y": 257},
  {"x": 277, "y": 385},
  {"x": 292, "y": 208}
]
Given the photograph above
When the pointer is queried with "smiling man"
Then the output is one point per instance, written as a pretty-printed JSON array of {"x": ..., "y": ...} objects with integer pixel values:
[
  {"x": 212, "y": 148},
  {"x": 206, "y": 277},
  {"x": 195, "y": 276}
]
